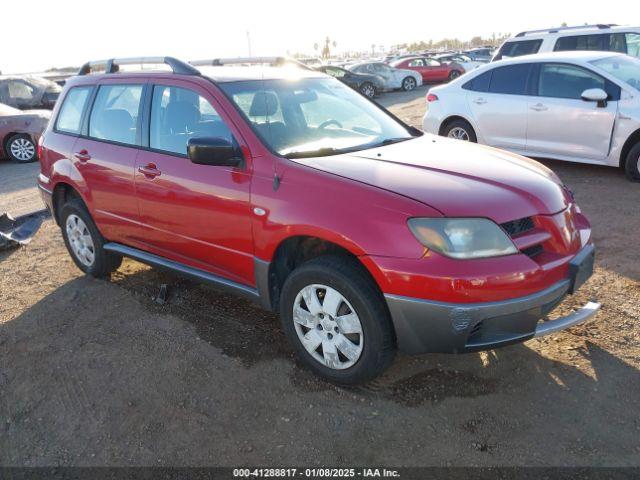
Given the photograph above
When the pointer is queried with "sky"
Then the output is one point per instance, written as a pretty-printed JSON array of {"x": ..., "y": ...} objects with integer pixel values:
[{"x": 69, "y": 32}]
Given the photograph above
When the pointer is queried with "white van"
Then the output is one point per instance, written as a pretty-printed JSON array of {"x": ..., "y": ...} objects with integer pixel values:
[{"x": 603, "y": 37}]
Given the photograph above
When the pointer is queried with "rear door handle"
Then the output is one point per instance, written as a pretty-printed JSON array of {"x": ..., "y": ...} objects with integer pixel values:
[
  {"x": 480, "y": 101},
  {"x": 539, "y": 107},
  {"x": 150, "y": 170},
  {"x": 82, "y": 155}
]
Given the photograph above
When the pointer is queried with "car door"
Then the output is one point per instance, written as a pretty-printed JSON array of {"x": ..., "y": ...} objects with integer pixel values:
[
  {"x": 435, "y": 71},
  {"x": 498, "y": 102},
  {"x": 105, "y": 156},
  {"x": 561, "y": 122},
  {"x": 194, "y": 214},
  {"x": 418, "y": 65}
]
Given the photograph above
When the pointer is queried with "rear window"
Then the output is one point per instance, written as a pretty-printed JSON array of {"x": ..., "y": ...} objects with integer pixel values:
[
  {"x": 516, "y": 49},
  {"x": 70, "y": 116},
  {"x": 115, "y": 113},
  {"x": 511, "y": 80}
]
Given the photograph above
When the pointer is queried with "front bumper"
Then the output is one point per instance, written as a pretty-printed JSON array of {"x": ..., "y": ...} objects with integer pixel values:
[{"x": 428, "y": 326}]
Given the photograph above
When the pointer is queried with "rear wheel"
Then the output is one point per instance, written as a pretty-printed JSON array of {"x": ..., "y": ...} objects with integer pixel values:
[
  {"x": 632, "y": 164},
  {"x": 368, "y": 90},
  {"x": 409, "y": 84},
  {"x": 337, "y": 321},
  {"x": 454, "y": 74},
  {"x": 460, "y": 130},
  {"x": 84, "y": 242},
  {"x": 21, "y": 148}
]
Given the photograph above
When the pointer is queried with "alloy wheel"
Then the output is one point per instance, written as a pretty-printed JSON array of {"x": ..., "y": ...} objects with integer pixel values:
[
  {"x": 22, "y": 149},
  {"x": 328, "y": 326},
  {"x": 409, "y": 84},
  {"x": 459, "y": 133},
  {"x": 368, "y": 90},
  {"x": 80, "y": 240}
]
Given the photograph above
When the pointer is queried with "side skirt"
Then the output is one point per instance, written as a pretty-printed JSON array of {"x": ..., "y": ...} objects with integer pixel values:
[{"x": 185, "y": 270}]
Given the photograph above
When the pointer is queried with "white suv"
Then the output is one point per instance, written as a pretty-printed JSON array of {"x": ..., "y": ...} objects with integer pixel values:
[
  {"x": 576, "y": 106},
  {"x": 602, "y": 37}
]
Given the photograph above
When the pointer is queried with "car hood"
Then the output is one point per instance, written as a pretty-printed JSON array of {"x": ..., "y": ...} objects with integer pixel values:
[{"x": 457, "y": 178}]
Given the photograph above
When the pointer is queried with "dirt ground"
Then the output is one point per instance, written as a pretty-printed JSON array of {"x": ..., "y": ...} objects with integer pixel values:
[{"x": 95, "y": 372}]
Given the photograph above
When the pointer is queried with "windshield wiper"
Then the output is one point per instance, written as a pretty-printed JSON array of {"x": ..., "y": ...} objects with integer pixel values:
[
  {"x": 320, "y": 152},
  {"x": 389, "y": 141}
]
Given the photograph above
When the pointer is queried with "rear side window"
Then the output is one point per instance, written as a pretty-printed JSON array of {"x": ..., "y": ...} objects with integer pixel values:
[
  {"x": 581, "y": 42},
  {"x": 511, "y": 80},
  {"x": 516, "y": 49},
  {"x": 70, "y": 116},
  {"x": 633, "y": 44},
  {"x": 479, "y": 83},
  {"x": 114, "y": 116},
  {"x": 178, "y": 114}
]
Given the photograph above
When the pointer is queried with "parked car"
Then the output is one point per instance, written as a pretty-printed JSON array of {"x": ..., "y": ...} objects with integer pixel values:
[
  {"x": 460, "y": 59},
  {"x": 394, "y": 78},
  {"x": 482, "y": 54},
  {"x": 367, "y": 84},
  {"x": 303, "y": 196},
  {"x": 24, "y": 92},
  {"x": 20, "y": 132},
  {"x": 431, "y": 70},
  {"x": 602, "y": 37},
  {"x": 577, "y": 106}
]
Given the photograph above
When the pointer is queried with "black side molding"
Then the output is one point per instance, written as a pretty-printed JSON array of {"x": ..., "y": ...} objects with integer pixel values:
[{"x": 185, "y": 270}]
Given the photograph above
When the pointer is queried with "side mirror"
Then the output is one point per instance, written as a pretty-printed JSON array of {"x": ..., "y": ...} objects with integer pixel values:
[
  {"x": 213, "y": 151},
  {"x": 595, "y": 95}
]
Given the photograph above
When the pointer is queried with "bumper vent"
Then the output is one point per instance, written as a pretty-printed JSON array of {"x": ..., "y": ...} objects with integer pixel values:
[{"x": 516, "y": 227}]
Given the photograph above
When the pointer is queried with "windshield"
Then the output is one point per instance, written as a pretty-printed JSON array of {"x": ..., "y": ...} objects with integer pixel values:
[
  {"x": 622, "y": 67},
  {"x": 313, "y": 116}
]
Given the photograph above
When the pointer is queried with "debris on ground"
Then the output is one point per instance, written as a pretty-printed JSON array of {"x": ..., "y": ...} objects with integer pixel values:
[
  {"x": 161, "y": 298},
  {"x": 19, "y": 231}
]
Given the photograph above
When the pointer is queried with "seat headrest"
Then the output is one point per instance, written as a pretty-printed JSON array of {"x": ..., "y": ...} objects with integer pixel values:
[
  {"x": 181, "y": 116},
  {"x": 264, "y": 104},
  {"x": 115, "y": 124}
]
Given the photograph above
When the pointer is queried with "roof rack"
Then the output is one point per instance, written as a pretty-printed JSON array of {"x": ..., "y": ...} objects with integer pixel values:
[
  {"x": 271, "y": 61},
  {"x": 601, "y": 26},
  {"x": 112, "y": 65}
]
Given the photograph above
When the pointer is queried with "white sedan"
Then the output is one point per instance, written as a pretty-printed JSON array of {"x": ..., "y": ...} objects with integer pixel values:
[
  {"x": 575, "y": 106},
  {"x": 461, "y": 59},
  {"x": 394, "y": 78}
]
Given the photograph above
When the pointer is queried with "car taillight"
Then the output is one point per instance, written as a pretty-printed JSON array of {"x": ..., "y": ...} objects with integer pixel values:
[
  {"x": 432, "y": 97},
  {"x": 40, "y": 146}
]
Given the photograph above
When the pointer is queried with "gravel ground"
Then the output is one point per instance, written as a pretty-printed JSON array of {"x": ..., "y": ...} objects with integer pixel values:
[
  {"x": 18, "y": 191},
  {"x": 96, "y": 373}
]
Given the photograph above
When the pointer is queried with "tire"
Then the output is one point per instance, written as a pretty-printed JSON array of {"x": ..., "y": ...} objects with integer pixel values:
[
  {"x": 454, "y": 74},
  {"x": 408, "y": 84},
  {"x": 78, "y": 231},
  {"x": 368, "y": 90},
  {"x": 460, "y": 130},
  {"x": 369, "y": 352},
  {"x": 21, "y": 148},
  {"x": 632, "y": 164}
]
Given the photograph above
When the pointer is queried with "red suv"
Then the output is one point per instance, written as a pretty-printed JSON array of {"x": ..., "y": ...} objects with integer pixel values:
[{"x": 290, "y": 188}]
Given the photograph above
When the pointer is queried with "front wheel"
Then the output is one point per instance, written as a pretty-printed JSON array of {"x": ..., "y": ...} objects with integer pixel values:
[
  {"x": 409, "y": 84},
  {"x": 460, "y": 130},
  {"x": 22, "y": 149},
  {"x": 632, "y": 164},
  {"x": 337, "y": 321},
  {"x": 368, "y": 90}
]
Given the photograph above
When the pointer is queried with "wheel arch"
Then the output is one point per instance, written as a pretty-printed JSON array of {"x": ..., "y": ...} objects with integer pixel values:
[
  {"x": 452, "y": 118},
  {"x": 633, "y": 139},
  {"x": 292, "y": 252},
  {"x": 62, "y": 193}
]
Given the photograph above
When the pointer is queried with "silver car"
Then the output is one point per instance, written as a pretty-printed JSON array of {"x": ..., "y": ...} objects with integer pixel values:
[
  {"x": 394, "y": 78},
  {"x": 575, "y": 106}
]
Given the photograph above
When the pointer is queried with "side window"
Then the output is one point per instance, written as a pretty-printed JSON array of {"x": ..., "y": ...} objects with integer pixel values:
[
  {"x": 479, "y": 83},
  {"x": 430, "y": 62},
  {"x": 70, "y": 116},
  {"x": 516, "y": 49},
  {"x": 416, "y": 63},
  {"x": 19, "y": 90},
  {"x": 179, "y": 114},
  {"x": 114, "y": 116},
  {"x": 511, "y": 80},
  {"x": 633, "y": 44},
  {"x": 580, "y": 42},
  {"x": 569, "y": 81},
  {"x": 617, "y": 43}
]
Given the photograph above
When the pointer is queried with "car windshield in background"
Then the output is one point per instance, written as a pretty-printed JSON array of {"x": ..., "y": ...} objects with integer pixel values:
[
  {"x": 622, "y": 67},
  {"x": 313, "y": 116}
]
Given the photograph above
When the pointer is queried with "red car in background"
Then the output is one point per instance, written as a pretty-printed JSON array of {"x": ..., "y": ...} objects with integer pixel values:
[
  {"x": 431, "y": 70},
  {"x": 20, "y": 131}
]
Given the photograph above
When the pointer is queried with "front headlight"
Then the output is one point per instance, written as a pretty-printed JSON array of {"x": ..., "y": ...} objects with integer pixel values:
[{"x": 462, "y": 237}]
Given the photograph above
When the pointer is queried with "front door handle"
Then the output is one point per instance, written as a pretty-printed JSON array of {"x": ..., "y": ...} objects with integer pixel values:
[
  {"x": 82, "y": 155},
  {"x": 480, "y": 101},
  {"x": 539, "y": 107},
  {"x": 150, "y": 170}
]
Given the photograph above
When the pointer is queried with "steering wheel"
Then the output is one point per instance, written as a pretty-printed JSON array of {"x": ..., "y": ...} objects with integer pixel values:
[{"x": 325, "y": 124}]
